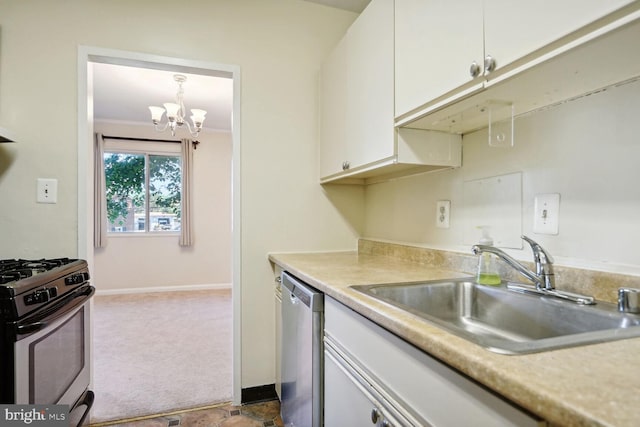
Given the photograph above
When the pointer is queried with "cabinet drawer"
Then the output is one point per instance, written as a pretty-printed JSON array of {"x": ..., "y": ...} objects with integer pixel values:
[
  {"x": 435, "y": 392},
  {"x": 354, "y": 401}
]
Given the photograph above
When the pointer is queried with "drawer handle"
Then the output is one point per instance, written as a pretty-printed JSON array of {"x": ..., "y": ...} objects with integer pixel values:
[{"x": 345, "y": 165}]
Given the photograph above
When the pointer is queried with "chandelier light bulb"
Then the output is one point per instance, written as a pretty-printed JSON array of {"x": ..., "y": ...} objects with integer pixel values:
[
  {"x": 198, "y": 117},
  {"x": 156, "y": 114},
  {"x": 173, "y": 111}
]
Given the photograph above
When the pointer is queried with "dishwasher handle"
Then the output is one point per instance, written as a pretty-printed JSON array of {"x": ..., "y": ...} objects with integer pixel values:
[{"x": 299, "y": 290}]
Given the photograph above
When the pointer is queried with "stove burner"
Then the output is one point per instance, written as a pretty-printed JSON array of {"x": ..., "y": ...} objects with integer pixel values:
[
  {"x": 9, "y": 276},
  {"x": 12, "y": 270}
]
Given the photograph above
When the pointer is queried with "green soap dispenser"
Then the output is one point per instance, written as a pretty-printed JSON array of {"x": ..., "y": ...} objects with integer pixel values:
[{"x": 487, "y": 266}]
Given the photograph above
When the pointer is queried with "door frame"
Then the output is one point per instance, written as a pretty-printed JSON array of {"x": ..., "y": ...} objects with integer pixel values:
[{"x": 90, "y": 54}]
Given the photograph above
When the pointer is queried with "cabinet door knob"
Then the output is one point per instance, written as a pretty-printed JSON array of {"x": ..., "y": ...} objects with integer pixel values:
[
  {"x": 375, "y": 415},
  {"x": 474, "y": 70},
  {"x": 489, "y": 64},
  {"x": 345, "y": 165}
]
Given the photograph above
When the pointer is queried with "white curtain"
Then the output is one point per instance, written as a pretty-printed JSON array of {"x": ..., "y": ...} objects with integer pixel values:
[
  {"x": 186, "y": 233},
  {"x": 100, "y": 198}
]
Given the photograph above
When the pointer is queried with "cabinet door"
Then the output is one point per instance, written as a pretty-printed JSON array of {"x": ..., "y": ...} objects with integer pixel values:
[
  {"x": 344, "y": 403},
  {"x": 353, "y": 400},
  {"x": 278, "y": 298},
  {"x": 516, "y": 28},
  {"x": 277, "y": 293},
  {"x": 436, "y": 42},
  {"x": 333, "y": 111},
  {"x": 356, "y": 93},
  {"x": 370, "y": 133},
  {"x": 430, "y": 389}
]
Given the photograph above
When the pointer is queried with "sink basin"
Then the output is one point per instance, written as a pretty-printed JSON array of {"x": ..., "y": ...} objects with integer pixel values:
[{"x": 504, "y": 321}]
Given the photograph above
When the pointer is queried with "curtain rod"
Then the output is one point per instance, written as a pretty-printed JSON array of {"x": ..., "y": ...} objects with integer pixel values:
[{"x": 127, "y": 138}]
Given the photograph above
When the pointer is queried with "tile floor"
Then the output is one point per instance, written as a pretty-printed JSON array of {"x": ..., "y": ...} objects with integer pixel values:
[{"x": 264, "y": 414}]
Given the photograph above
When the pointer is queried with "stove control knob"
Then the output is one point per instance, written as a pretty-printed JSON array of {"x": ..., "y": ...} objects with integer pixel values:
[
  {"x": 30, "y": 299},
  {"x": 43, "y": 295},
  {"x": 37, "y": 297},
  {"x": 74, "y": 279}
]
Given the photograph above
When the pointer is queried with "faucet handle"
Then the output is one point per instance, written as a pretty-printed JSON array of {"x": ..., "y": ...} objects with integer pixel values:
[
  {"x": 629, "y": 300},
  {"x": 538, "y": 251}
]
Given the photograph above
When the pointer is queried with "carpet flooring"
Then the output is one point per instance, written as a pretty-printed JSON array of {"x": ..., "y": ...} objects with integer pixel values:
[{"x": 160, "y": 352}]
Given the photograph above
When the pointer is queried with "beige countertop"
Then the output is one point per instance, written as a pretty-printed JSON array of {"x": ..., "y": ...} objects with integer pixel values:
[{"x": 592, "y": 385}]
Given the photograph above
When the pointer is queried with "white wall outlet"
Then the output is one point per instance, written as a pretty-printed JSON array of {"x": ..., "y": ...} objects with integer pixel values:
[
  {"x": 47, "y": 190},
  {"x": 443, "y": 210},
  {"x": 546, "y": 210}
]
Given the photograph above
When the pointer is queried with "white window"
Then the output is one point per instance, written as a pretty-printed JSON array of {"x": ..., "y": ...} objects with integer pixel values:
[{"x": 143, "y": 183}]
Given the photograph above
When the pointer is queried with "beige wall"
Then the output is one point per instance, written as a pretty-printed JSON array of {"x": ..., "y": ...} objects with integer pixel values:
[
  {"x": 141, "y": 262},
  {"x": 586, "y": 150},
  {"x": 278, "y": 45}
]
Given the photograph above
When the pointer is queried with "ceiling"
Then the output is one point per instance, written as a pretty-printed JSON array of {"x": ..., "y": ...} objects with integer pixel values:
[
  {"x": 352, "y": 5},
  {"x": 123, "y": 93}
]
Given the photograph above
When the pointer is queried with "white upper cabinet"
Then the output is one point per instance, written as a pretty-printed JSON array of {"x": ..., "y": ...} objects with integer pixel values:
[
  {"x": 358, "y": 141},
  {"x": 513, "y": 29},
  {"x": 333, "y": 110},
  {"x": 356, "y": 86},
  {"x": 370, "y": 85},
  {"x": 437, "y": 41}
]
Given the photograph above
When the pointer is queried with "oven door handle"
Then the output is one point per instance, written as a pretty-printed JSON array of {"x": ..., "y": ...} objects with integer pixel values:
[
  {"x": 86, "y": 400},
  {"x": 56, "y": 311}
]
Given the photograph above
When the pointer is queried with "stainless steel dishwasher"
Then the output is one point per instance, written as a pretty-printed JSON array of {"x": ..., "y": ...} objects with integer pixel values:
[{"x": 302, "y": 351}]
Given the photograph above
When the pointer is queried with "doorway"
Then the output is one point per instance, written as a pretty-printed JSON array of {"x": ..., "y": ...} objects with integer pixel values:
[{"x": 88, "y": 56}]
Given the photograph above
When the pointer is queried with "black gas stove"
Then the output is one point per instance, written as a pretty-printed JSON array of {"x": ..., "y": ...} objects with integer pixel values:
[
  {"x": 12, "y": 270},
  {"x": 45, "y": 340},
  {"x": 28, "y": 285}
]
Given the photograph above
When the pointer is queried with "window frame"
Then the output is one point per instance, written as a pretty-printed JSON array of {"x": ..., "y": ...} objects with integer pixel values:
[{"x": 146, "y": 148}]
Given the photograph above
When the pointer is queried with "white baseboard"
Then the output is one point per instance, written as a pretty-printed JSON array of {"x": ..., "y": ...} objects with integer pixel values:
[{"x": 163, "y": 289}]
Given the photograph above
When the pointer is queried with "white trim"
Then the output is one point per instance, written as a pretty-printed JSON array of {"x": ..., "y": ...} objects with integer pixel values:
[
  {"x": 205, "y": 130},
  {"x": 236, "y": 227},
  {"x": 211, "y": 286},
  {"x": 90, "y": 54},
  {"x": 142, "y": 234},
  {"x": 131, "y": 146}
]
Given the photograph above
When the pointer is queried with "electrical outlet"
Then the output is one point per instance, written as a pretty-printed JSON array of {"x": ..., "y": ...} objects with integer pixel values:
[
  {"x": 443, "y": 210},
  {"x": 47, "y": 190},
  {"x": 546, "y": 210}
]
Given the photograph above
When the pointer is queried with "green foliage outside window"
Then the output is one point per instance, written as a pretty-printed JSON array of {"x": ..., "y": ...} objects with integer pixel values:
[
  {"x": 126, "y": 183},
  {"x": 165, "y": 183}
]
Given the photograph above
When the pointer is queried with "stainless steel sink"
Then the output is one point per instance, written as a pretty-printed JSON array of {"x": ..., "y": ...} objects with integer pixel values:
[{"x": 504, "y": 321}]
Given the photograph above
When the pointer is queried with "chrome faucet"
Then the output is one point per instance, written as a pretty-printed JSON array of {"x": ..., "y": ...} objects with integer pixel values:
[{"x": 543, "y": 277}]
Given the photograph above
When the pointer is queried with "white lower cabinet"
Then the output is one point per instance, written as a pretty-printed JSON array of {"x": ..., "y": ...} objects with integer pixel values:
[
  {"x": 372, "y": 377},
  {"x": 352, "y": 399},
  {"x": 278, "y": 314}
]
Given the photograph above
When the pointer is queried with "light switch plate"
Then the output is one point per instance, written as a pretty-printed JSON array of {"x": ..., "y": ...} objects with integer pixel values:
[
  {"x": 443, "y": 210},
  {"x": 47, "y": 191},
  {"x": 546, "y": 212}
]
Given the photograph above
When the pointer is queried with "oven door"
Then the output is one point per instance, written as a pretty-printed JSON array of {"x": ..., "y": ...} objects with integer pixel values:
[{"x": 52, "y": 352}]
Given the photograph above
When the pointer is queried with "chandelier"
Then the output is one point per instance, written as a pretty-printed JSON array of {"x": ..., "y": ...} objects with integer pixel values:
[{"x": 175, "y": 113}]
